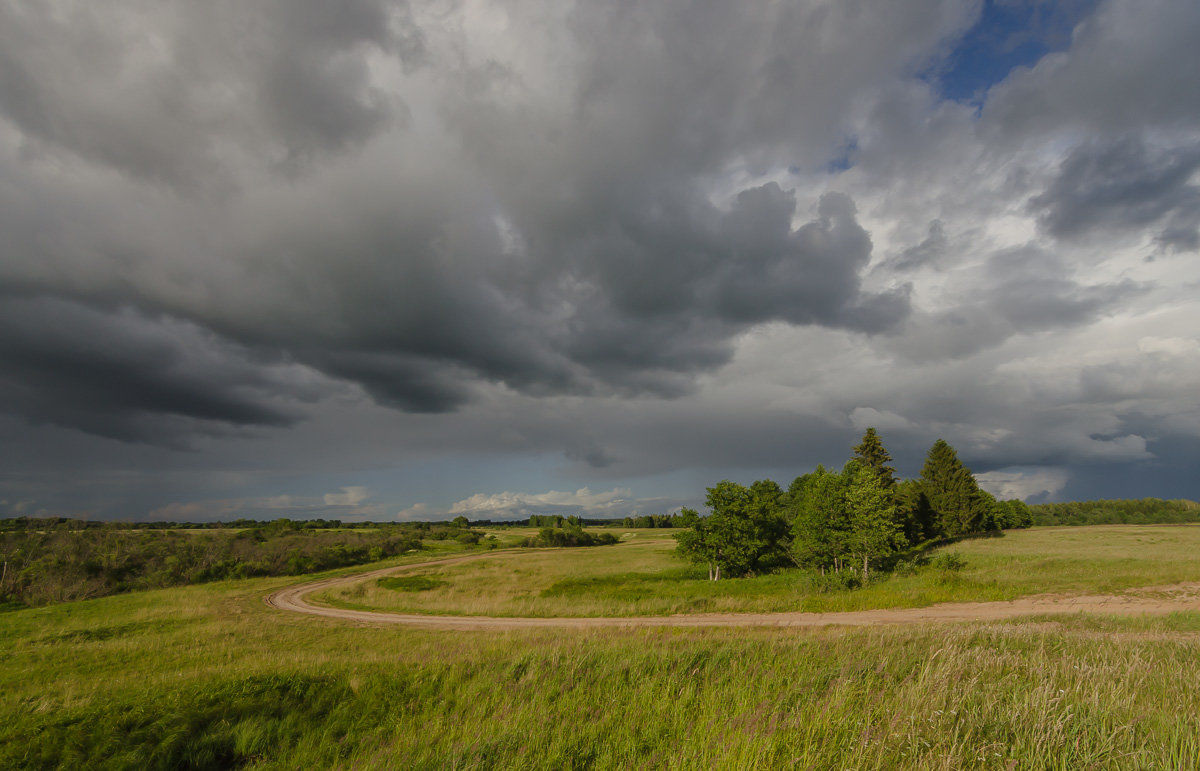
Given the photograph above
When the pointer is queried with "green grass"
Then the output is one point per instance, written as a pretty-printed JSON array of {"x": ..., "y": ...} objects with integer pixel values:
[
  {"x": 643, "y": 576},
  {"x": 210, "y": 677},
  {"x": 410, "y": 583}
]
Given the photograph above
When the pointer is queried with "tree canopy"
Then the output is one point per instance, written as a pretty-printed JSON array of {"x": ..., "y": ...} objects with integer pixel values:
[{"x": 860, "y": 518}]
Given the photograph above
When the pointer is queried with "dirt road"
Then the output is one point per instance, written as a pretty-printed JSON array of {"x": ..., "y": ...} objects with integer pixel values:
[{"x": 1149, "y": 601}]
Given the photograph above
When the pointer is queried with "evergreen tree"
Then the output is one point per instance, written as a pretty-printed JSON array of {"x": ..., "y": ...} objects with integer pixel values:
[
  {"x": 957, "y": 502},
  {"x": 871, "y": 454},
  {"x": 872, "y": 512},
  {"x": 915, "y": 514}
]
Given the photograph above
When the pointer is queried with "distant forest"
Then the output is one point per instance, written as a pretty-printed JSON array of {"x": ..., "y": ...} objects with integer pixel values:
[{"x": 1143, "y": 511}]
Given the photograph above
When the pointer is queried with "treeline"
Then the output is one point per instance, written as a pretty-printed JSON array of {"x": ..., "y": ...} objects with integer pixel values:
[
  {"x": 1144, "y": 511},
  {"x": 685, "y": 518},
  {"x": 41, "y": 565},
  {"x": 70, "y": 523},
  {"x": 857, "y": 518}
]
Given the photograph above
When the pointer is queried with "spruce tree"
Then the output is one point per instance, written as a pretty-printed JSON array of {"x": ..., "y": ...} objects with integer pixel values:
[
  {"x": 874, "y": 528},
  {"x": 871, "y": 454},
  {"x": 957, "y": 502}
]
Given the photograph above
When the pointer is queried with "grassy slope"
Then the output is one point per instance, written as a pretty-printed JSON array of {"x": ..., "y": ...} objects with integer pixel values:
[
  {"x": 209, "y": 676},
  {"x": 643, "y": 576}
]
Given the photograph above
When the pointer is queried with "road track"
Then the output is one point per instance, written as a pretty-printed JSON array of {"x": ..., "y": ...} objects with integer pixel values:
[{"x": 1148, "y": 601}]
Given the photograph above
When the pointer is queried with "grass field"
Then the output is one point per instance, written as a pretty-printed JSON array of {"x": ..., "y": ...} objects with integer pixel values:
[
  {"x": 642, "y": 576},
  {"x": 210, "y": 677}
]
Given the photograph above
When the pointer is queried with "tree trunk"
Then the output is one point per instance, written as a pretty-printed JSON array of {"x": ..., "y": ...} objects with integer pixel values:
[
  {"x": 718, "y": 578},
  {"x": 864, "y": 568}
]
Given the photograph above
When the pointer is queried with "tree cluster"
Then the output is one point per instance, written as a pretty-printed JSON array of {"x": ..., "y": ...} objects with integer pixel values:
[
  {"x": 569, "y": 533},
  {"x": 857, "y": 518}
]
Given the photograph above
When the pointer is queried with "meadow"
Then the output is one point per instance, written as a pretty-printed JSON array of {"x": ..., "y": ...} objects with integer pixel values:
[
  {"x": 643, "y": 576},
  {"x": 208, "y": 676}
]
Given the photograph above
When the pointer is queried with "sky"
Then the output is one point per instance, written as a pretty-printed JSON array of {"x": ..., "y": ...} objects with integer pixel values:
[{"x": 409, "y": 260}]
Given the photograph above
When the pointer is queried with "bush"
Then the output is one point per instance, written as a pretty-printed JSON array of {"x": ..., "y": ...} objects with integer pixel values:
[
  {"x": 835, "y": 581},
  {"x": 558, "y": 536},
  {"x": 949, "y": 562}
]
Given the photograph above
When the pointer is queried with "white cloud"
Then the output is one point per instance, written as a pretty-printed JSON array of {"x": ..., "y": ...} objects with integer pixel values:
[
  {"x": 1023, "y": 483},
  {"x": 1169, "y": 346},
  {"x": 863, "y": 418},
  {"x": 616, "y": 502},
  {"x": 349, "y": 496}
]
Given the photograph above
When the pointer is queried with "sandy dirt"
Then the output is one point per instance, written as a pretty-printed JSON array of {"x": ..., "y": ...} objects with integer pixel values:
[{"x": 1147, "y": 601}]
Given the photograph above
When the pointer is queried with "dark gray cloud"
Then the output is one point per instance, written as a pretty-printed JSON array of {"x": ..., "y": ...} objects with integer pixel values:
[
  {"x": 123, "y": 375},
  {"x": 1015, "y": 291},
  {"x": 418, "y": 219},
  {"x": 387, "y": 240},
  {"x": 1123, "y": 185},
  {"x": 184, "y": 94}
]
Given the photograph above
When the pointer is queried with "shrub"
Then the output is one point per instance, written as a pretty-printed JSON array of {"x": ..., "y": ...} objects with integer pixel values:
[{"x": 949, "y": 562}]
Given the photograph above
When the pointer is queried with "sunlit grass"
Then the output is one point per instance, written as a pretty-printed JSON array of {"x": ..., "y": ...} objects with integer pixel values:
[
  {"x": 643, "y": 576},
  {"x": 211, "y": 677}
]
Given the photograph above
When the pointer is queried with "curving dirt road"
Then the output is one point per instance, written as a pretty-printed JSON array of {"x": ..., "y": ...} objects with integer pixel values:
[{"x": 1165, "y": 599}]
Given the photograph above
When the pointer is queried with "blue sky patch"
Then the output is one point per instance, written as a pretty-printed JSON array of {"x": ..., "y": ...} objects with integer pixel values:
[{"x": 1009, "y": 34}]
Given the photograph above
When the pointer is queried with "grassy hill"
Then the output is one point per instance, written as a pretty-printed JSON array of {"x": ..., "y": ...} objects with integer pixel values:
[{"x": 208, "y": 676}]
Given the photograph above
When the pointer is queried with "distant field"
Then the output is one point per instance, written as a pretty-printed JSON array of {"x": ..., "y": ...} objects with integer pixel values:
[
  {"x": 642, "y": 575},
  {"x": 210, "y": 677}
]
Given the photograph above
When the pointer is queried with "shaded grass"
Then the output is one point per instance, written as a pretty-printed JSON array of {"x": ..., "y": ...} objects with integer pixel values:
[{"x": 410, "y": 583}]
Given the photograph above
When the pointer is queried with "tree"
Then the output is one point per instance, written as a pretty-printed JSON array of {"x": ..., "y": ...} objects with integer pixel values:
[
  {"x": 687, "y": 517},
  {"x": 460, "y": 521},
  {"x": 957, "y": 502},
  {"x": 1013, "y": 513},
  {"x": 875, "y": 531},
  {"x": 916, "y": 515},
  {"x": 766, "y": 510},
  {"x": 737, "y": 537},
  {"x": 820, "y": 527},
  {"x": 871, "y": 454}
]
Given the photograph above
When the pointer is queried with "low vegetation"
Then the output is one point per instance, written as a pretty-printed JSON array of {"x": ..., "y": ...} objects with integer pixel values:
[
  {"x": 55, "y": 562},
  {"x": 571, "y": 534}
]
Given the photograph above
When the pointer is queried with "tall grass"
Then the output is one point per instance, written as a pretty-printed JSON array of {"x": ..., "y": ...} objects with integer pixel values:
[{"x": 209, "y": 677}]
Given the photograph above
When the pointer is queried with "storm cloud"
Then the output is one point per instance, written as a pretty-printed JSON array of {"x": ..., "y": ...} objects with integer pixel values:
[{"x": 571, "y": 246}]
